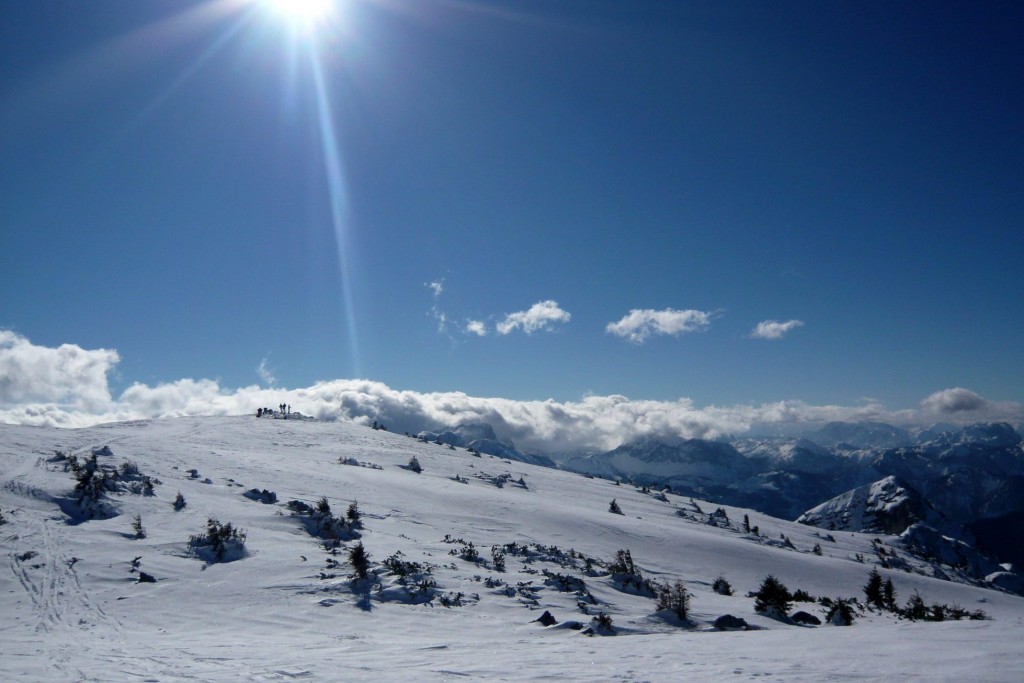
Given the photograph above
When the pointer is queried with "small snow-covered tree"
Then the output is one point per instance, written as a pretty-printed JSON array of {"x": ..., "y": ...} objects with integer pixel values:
[
  {"x": 140, "y": 531},
  {"x": 179, "y": 502},
  {"x": 623, "y": 563},
  {"x": 614, "y": 507},
  {"x": 414, "y": 465},
  {"x": 222, "y": 541}
]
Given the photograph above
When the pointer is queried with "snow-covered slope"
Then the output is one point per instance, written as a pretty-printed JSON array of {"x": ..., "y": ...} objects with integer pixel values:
[{"x": 74, "y": 609}]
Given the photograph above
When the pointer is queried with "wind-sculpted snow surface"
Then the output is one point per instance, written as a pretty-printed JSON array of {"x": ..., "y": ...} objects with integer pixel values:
[{"x": 458, "y": 570}]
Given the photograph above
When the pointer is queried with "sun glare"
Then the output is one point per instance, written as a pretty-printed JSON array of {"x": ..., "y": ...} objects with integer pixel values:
[{"x": 306, "y": 12}]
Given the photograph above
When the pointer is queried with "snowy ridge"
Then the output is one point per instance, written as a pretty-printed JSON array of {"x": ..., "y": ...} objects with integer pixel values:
[
  {"x": 435, "y": 605},
  {"x": 886, "y": 506}
]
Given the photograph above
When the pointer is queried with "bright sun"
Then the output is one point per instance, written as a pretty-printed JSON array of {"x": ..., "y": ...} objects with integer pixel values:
[{"x": 302, "y": 11}]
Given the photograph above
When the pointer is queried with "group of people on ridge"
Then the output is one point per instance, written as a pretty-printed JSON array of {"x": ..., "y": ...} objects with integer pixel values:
[{"x": 283, "y": 409}]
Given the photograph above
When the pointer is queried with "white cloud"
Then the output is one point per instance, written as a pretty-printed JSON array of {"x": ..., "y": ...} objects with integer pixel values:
[
  {"x": 773, "y": 329},
  {"x": 477, "y": 327},
  {"x": 67, "y": 375},
  {"x": 266, "y": 374},
  {"x": 540, "y": 317},
  {"x": 442, "y": 320},
  {"x": 956, "y": 400},
  {"x": 437, "y": 287},
  {"x": 55, "y": 394},
  {"x": 639, "y": 324}
]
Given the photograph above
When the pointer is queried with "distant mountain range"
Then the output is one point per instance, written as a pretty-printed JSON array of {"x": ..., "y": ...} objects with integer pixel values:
[{"x": 964, "y": 482}]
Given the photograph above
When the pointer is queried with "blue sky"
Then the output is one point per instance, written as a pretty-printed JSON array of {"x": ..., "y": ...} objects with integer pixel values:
[{"x": 178, "y": 187}]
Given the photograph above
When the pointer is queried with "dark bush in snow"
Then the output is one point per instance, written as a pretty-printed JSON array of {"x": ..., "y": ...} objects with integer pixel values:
[
  {"x": 721, "y": 586},
  {"x": 179, "y": 502},
  {"x": 614, "y": 508}
]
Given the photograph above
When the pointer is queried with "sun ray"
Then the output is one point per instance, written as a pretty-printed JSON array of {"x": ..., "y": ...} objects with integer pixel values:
[{"x": 338, "y": 191}]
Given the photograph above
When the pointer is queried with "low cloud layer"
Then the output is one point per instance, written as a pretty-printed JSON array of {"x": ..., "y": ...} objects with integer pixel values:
[
  {"x": 541, "y": 316},
  {"x": 67, "y": 387},
  {"x": 639, "y": 324},
  {"x": 774, "y": 329}
]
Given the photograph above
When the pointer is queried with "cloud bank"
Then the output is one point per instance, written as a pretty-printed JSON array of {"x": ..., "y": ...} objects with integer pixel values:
[
  {"x": 68, "y": 374},
  {"x": 639, "y": 324},
  {"x": 67, "y": 387},
  {"x": 773, "y": 329}
]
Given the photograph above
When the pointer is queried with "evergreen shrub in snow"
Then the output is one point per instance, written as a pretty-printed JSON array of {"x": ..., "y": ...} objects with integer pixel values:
[
  {"x": 360, "y": 560},
  {"x": 628, "y": 577},
  {"x": 140, "y": 531},
  {"x": 322, "y": 523},
  {"x": 676, "y": 599},
  {"x": 841, "y": 613},
  {"x": 219, "y": 543},
  {"x": 772, "y": 598}
]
